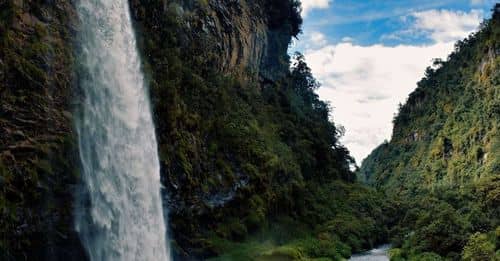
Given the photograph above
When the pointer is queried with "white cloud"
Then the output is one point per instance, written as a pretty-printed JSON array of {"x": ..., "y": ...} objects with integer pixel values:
[
  {"x": 309, "y": 40},
  {"x": 308, "y": 5},
  {"x": 440, "y": 26},
  {"x": 317, "y": 39},
  {"x": 347, "y": 39},
  {"x": 365, "y": 84},
  {"x": 444, "y": 26}
]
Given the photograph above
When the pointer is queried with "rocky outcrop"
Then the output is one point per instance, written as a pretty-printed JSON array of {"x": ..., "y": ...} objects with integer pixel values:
[{"x": 237, "y": 37}]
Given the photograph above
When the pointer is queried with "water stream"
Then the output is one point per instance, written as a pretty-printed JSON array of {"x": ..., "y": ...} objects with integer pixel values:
[
  {"x": 376, "y": 254},
  {"x": 121, "y": 217}
]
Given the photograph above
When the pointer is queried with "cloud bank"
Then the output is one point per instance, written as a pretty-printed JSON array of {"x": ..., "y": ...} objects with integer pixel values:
[
  {"x": 365, "y": 83},
  {"x": 445, "y": 26}
]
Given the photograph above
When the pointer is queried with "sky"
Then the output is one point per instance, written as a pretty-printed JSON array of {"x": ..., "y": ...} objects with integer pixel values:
[{"x": 369, "y": 54}]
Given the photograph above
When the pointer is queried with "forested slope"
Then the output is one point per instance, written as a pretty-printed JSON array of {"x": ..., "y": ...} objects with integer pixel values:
[
  {"x": 248, "y": 152},
  {"x": 442, "y": 165}
]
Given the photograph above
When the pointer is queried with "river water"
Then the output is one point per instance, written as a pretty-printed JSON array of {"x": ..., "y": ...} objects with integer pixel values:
[{"x": 376, "y": 254}]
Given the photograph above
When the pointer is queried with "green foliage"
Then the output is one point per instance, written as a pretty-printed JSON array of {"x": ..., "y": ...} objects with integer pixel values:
[
  {"x": 439, "y": 229},
  {"x": 396, "y": 254},
  {"x": 352, "y": 222},
  {"x": 426, "y": 256},
  {"x": 283, "y": 253}
]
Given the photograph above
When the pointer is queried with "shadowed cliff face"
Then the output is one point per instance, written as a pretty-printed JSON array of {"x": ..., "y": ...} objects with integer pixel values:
[
  {"x": 235, "y": 37},
  {"x": 38, "y": 158}
]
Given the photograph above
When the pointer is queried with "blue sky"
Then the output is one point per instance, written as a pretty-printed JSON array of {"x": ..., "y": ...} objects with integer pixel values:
[
  {"x": 368, "y": 21},
  {"x": 369, "y": 54}
]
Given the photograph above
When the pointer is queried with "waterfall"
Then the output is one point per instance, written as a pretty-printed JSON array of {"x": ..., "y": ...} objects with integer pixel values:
[{"x": 122, "y": 216}]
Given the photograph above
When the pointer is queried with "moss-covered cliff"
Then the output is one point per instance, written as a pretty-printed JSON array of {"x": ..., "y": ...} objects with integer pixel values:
[
  {"x": 442, "y": 165},
  {"x": 38, "y": 159},
  {"x": 251, "y": 165}
]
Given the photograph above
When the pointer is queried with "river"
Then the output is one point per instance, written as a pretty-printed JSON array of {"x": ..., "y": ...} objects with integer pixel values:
[{"x": 376, "y": 254}]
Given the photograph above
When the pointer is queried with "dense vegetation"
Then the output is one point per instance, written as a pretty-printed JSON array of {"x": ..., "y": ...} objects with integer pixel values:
[
  {"x": 251, "y": 159},
  {"x": 441, "y": 168}
]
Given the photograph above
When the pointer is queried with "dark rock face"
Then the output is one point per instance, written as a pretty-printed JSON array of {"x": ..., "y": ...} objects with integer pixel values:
[
  {"x": 38, "y": 158},
  {"x": 237, "y": 37}
]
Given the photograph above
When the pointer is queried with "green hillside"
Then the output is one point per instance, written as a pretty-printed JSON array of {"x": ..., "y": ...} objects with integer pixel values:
[{"x": 442, "y": 165}]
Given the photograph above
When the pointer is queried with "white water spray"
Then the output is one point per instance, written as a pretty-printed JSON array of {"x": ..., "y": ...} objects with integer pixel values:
[{"x": 123, "y": 218}]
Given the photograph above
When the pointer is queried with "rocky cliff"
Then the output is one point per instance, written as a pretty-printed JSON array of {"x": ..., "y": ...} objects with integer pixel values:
[{"x": 244, "y": 38}]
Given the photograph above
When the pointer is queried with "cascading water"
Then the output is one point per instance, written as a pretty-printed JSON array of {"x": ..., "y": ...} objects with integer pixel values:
[{"x": 122, "y": 218}]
